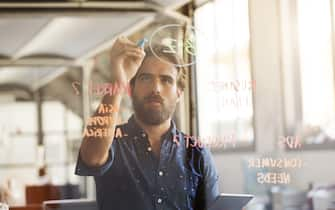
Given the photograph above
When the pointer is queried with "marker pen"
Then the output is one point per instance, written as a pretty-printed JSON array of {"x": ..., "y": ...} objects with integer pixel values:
[{"x": 142, "y": 42}]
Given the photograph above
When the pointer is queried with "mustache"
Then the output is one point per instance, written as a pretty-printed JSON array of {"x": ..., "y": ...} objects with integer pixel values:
[{"x": 157, "y": 98}]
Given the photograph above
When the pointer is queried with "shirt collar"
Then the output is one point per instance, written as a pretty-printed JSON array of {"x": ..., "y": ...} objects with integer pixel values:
[{"x": 135, "y": 130}]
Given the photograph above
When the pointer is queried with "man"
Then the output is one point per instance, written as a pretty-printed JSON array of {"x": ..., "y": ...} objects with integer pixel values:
[{"x": 149, "y": 166}]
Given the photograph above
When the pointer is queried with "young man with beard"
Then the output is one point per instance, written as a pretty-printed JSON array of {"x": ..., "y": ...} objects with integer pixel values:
[{"x": 147, "y": 168}]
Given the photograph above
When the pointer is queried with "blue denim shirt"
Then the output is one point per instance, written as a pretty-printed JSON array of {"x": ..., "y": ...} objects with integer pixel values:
[{"x": 133, "y": 178}]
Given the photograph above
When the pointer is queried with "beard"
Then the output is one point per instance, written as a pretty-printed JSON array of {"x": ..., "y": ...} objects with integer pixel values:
[{"x": 152, "y": 116}]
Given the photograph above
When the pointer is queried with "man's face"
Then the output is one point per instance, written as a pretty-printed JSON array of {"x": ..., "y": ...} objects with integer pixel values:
[{"x": 155, "y": 93}]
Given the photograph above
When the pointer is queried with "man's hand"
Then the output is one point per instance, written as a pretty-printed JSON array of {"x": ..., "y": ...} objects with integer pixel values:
[{"x": 126, "y": 57}]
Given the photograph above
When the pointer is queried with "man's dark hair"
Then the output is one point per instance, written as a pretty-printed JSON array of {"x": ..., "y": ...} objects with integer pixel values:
[{"x": 159, "y": 51}]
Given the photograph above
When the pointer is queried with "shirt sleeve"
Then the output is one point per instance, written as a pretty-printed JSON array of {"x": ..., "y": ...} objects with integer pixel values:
[
  {"x": 84, "y": 170},
  {"x": 210, "y": 184}
]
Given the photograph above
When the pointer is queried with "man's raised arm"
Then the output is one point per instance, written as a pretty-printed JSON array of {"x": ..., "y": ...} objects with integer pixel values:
[{"x": 126, "y": 57}]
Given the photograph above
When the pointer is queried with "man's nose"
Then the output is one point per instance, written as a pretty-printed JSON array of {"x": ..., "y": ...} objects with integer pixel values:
[{"x": 156, "y": 86}]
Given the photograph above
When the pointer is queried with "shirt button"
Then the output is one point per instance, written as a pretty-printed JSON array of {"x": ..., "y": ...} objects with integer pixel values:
[
  {"x": 149, "y": 149},
  {"x": 143, "y": 135},
  {"x": 135, "y": 137},
  {"x": 160, "y": 173},
  {"x": 159, "y": 200}
]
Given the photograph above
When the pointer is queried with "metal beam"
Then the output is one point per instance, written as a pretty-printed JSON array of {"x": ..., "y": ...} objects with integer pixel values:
[
  {"x": 128, "y": 5},
  {"x": 177, "y": 15},
  {"x": 17, "y": 13},
  {"x": 54, "y": 9},
  {"x": 116, "y": 5},
  {"x": 170, "y": 10},
  {"x": 15, "y": 86},
  {"x": 178, "y": 4},
  {"x": 202, "y": 3},
  {"x": 48, "y": 61},
  {"x": 332, "y": 16},
  {"x": 38, "y": 100}
]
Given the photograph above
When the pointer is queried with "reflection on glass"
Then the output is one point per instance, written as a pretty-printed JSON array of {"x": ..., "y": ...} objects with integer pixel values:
[{"x": 224, "y": 82}]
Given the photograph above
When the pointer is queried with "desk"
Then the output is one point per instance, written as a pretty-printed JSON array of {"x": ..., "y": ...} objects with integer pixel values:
[{"x": 28, "y": 207}]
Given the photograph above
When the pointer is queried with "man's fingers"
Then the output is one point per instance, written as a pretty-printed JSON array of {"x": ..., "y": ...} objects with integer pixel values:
[
  {"x": 125, "y": 41},
  {"x": 135, "y": 50},
  {"x": 132, "y": 48},
  {"x": 123, "y": 44},
  {"x": 133, "y": 54}
]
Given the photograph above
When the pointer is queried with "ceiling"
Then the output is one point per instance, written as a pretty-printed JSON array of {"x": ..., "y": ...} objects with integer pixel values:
[
  {"x": 68, "y": 37},
  {"x": 47, "y": 40},
  {"x": 39, "y": 40}
]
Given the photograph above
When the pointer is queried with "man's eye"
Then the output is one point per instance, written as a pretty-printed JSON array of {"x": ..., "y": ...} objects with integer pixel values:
[
  {"x": 145, "y": 78},
  {"x": 167, "y": 80}
]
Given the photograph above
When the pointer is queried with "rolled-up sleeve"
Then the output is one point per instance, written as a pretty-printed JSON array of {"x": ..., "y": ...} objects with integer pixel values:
[
  {"x": 84, "y": 170},
  {"x": 211, "y": 179}
]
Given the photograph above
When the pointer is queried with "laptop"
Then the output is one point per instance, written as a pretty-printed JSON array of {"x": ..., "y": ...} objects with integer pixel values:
[
  {"x": 70, "y": 204},
  {"x": 231, "y": 201}
]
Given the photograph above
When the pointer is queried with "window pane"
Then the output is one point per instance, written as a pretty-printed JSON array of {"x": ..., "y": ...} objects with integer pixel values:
[
  {"x": 55, "y": 148},
  {"x": 18, "y": 117},
  {"x": 316, "y": 69},
  {"x": 224, "y": 82},
  {"x": 53, "y": 116},
  {"x": 11, "y": 151},
  {"x": 74, "y": 123},
  {"x": 316, "y": 61}
]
